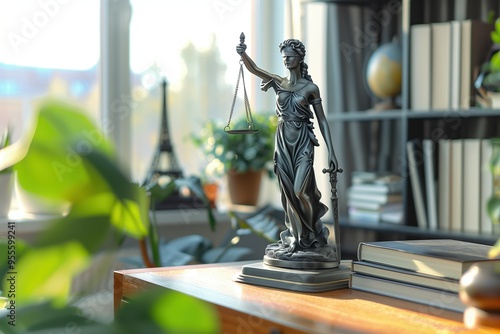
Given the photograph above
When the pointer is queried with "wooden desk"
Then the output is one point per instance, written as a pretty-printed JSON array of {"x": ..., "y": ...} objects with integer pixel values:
[{"x": 246, "y": 308}]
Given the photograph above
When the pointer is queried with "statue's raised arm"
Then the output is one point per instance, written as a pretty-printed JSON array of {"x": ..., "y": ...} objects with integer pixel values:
[{"x": 249, "y": 63}]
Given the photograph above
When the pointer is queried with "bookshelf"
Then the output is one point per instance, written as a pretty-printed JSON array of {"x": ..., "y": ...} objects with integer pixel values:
[{"x": 396, "y": 127}]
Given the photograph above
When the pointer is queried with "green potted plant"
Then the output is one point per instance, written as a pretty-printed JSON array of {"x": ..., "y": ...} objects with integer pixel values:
[
  {"x": 6, "y": 177},
  {"x": 242, "y": 157}
]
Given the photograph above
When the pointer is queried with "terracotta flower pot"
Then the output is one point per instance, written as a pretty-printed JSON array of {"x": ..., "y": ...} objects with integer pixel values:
[
  {"x": 211, "y": 190},
  {"x": 244, "y": 187}
]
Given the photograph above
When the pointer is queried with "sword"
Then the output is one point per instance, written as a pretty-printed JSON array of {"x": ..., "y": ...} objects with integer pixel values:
[{"x": 335, "y": 207}]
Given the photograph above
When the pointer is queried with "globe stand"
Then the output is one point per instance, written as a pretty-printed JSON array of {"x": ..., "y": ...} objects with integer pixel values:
[{"x": 387, "y": 104}]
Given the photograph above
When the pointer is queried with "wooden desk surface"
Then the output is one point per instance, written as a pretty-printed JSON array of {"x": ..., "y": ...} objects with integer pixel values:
[{"x": 252, "y": 309}]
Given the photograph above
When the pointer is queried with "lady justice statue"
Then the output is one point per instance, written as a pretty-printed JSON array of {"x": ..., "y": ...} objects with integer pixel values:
[{"x": 305, "y": 242}]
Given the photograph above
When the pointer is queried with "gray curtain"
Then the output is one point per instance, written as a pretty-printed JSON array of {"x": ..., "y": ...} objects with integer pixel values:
[{"x": 354, "y": 33}]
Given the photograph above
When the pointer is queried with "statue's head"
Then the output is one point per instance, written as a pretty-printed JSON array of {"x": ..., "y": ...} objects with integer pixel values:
[{"x": 293, "y": 47}]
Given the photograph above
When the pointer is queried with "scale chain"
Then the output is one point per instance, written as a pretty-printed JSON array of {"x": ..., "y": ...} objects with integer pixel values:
[
  {"x": 248, "y": 112},
  {"x": 247, "y": 104},
  {"x": 235, "y": 94}
]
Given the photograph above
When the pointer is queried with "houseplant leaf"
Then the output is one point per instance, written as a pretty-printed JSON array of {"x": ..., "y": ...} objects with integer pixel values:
[
  {"x": 54, "y": 165},
  {"x": 47, "y": 272},
  {"x": 169, "y": 312}
]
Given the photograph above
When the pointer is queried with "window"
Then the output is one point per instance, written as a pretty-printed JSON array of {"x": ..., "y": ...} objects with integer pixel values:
[
  {"x": 52, "y": 48},
  {"x": 191, "y": 44},
  {"x": 47, "y": 48}
]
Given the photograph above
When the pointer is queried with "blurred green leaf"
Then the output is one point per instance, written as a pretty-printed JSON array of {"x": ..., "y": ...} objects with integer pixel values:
[
  {"x": 90, "y": 231},
  {"x": 53, "y": 166},
  {"x": 20, "y": 248},
  {"x": 497, "y": 25},
  {"x": 162, "y": 311},
  {"x": 493, "y": 209},
  {"x": 495, "y": 61},
  {"x": 495, "y": 250},
  {"x": 161, "y": 191},
  {"x": 107, "y": 171},
  {"x": 178, "y": 318},
  {"x": 127, "y": 217},
  {"x": 45, "y": 318},
  {"x": 495, "y": 37},
  {"x": 46, "y": 273}
]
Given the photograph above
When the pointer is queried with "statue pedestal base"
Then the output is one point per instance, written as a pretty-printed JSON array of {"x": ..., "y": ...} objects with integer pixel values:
[
  {"x": 302, "y": 280},
  {"x": 301, "y": 263}
]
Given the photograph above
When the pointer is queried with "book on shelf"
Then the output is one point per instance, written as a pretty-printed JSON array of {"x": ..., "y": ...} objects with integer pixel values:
[
  {"x": 395, "y": 187},
  {"x": 415, "y": 168},
  {"x": 374, "y": 206},
  {"x": 486, "y": 225},
  {"x": 464, "y": 185},
  {"x": 475, "y": 44},
  {"x": 445, "y": 59},
  {"x": 440, "y": 65},
  {"x": 363, "y": 215},
  {"x": 455, "y": 63},
  {"x": 444, "y": 184},
  {"x": 395, "y": 217},
  {"x": 405, "y": 276},
  {"x": 439, "y": 257},
  {"x": 390, "y": 213},
  {"x": 456, "y": 185},
  {"x": 471, "y": 213},
  {"x": 430, "y": 183},
  {"x": 375, "y": 198},
  {"x": 420, "y": 67},
  {"x": 371, "y": 177},
  {"x": 411, "y": 292}
]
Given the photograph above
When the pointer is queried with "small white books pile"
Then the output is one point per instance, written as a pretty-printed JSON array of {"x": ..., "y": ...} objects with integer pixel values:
[{"x": 375, "y": 197}]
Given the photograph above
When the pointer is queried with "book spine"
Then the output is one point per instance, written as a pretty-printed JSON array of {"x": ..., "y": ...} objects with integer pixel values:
[
  {"x": 444, "y": 184},
  {"x": 420, "y": 67},
  {"x": 455, "y": 71},
  {"x": 440, "y": 74},
  {"x": 428, "y": 146},
  {"x": 471, "y": 181},
  {"x": 486, "y": 185},
  {"x": 456, "y": 189},
  {"x": 415, "y": 165},
  {"x": 360, "y": 251}
]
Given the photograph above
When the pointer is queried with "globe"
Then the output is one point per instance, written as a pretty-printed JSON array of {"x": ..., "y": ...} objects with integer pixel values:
[{"x": 383, "y": 71}]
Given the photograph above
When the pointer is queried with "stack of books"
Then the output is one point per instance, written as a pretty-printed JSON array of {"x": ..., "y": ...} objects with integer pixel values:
[
  {"x": 375, "y": 197},
  {"x": 422, "y": 271}
]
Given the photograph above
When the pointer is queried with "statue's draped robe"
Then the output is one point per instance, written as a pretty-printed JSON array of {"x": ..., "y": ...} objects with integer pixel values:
[{"x": 293, "y": 164}]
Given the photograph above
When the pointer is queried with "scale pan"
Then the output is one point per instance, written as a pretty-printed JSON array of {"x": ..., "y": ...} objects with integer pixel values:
[{"x": 242, "y": 132}]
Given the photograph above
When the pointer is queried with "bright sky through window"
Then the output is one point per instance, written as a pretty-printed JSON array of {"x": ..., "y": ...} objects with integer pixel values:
[
  {"x": 50, "y": 33},
  {"x": 160, "y": 29},
  {"x": 65, "y": 34}
]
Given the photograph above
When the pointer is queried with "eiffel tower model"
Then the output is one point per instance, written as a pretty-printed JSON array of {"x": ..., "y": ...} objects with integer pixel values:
[{"x": 165, "y": 162}]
